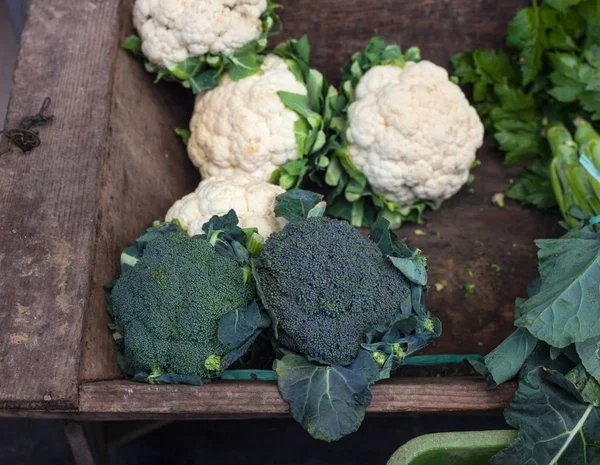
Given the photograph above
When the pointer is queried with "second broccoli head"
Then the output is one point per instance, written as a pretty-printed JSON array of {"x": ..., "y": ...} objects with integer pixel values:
[
  {"x": 328, "y": 285},
  {"x": 168, "y": 302}
]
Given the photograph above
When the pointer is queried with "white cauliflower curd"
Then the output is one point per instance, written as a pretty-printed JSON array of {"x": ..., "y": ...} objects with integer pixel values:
[
  {"x": 175, "y": 30},
  {"x": 412, "y": 133},
  {"x": 243, "y": 127},
  {"x": 253, "y": 201}
]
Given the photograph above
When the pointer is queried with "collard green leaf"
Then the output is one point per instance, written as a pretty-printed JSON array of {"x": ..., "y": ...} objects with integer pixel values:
[
  {"x": 504, "y": 362},
  {"x": 589, "y": 351},
  {"x": 567, "y": 308},
  {"x": 295, "y": 205},
  {"x": 238, "y": 325},
  {"x": 329, "y": 402},
  {"x": 585, "y": 383},
  {"x": 555, "y": 426}
]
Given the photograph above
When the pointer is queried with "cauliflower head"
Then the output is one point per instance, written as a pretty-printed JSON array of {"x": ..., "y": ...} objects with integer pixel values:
[
  {"x": 175, "y": 30},
  {"x": 243, "y": 127},
  {"x": 252, "y": 199},
  {"x": 412, "y": 133}
]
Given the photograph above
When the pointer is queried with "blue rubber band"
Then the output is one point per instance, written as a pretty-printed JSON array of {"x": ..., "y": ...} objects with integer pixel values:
[
  {"x": 595, "y": 220},
  {"x": 590, "y": 168}
]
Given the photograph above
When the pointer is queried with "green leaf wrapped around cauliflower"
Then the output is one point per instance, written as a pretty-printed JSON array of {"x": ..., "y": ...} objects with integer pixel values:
[
  {"x": 410, "y": 140},
  {"x": 169, "y": 302},
  {"x": 264, "y": 125},
  {"x": 252, "y": 199},
  {"x": 195, "y": 41}
]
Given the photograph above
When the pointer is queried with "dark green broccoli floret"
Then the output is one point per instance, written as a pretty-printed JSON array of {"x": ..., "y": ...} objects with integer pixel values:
[
  {"x": 167, "y": 306},
  {"x": 328, "y": 285}
]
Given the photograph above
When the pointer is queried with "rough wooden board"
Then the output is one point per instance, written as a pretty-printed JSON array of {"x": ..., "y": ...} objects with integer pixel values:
[
  {"x": 262, "y": 398},
  {"x": 338, "y": 28},
  {"x": 48, "y": 200},
  {"x": 145, "y": 170}
]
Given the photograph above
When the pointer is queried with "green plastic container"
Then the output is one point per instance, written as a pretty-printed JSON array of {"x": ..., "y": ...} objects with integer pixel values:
[{"x": 470, "y": 448}]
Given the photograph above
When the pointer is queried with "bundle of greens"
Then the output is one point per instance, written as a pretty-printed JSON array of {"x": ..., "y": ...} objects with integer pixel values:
[
  {"x": 538, "y": 107},
  {"x": 556, "y": 352},
  {"x": 554, "y": 79}
]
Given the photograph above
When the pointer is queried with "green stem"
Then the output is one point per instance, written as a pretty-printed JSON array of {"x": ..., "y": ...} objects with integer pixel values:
[{"x": 585, "y": 132}]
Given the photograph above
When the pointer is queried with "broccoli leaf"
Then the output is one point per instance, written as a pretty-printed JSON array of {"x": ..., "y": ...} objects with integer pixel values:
[
  {"x": 295, "y": 205},
  {"x": 555, "y": 425},
  {"x": 504, "y": 362},
  {"x": 237, "y": 326},
  {"x": 328, "y": 401},
  {"x": 399, "y": 340},
  {"x": 567, "y": 307},
  {"x": 261, "y": 296},
  {"x": 589, "y": 351},
  {"x": 585, "y": 383},
  {"x": 408, "y": 260}
]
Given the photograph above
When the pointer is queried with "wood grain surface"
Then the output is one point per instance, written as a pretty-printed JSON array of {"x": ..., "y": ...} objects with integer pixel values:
[
  {"x": 145, "y": 170},
  {"x": 262, "y": 398},
  {"x": 49, "y": 198}
]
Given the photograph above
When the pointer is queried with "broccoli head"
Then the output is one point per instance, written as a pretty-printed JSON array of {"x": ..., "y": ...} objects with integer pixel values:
[
  {"x": 168, "y": 302},
  {"x": 328, "y": 285}
]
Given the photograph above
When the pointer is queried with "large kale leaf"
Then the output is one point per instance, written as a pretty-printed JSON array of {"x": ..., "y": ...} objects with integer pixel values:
[
  {"x": 556, "y": 426},
  {"x": 567, "y": 307}
]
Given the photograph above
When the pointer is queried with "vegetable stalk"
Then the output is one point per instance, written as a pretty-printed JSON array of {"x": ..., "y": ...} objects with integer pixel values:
[{"x": 577, "y": 192}]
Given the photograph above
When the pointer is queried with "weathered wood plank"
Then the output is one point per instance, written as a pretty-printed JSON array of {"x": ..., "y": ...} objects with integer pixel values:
[
  {"x": 262, "y": 398},
  {"x": 145, "y": 170},
  {"x": 48, "y": 199}
]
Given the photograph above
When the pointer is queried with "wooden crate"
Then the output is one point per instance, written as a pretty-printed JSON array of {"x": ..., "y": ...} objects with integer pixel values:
[{"x": 110, "y": 164}]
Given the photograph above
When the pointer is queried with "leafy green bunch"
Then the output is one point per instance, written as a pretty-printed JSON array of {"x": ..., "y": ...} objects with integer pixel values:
[
  {"x": 201, "y": 73},
  {"x": 556, "y": 352},
  {"x": 317, "y": 115},
  {"x": 345, "y": 312},
  {"x": 351, "y": 197},
  {"x": 554, "y": 78}
]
